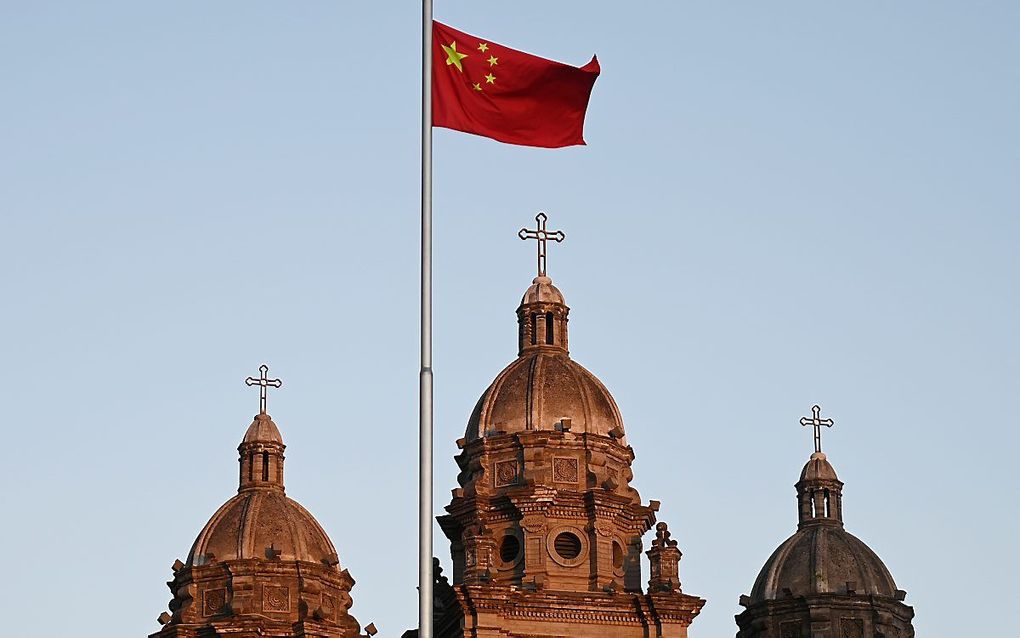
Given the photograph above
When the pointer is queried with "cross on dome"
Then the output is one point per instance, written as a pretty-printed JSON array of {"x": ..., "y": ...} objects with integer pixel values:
[
  {"x": 264, "y": 383},
  {"x": 542, "y": 235},
  {"x": 817, "y": 421}
]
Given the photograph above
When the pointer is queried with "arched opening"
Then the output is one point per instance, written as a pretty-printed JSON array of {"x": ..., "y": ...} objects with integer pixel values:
[
  {"x": 549, "y": 328},
  {"x": 827, "y": 510},
  {"x": 617, "y": 556},
  {"x": 265, "y": 466},
  {"x": 251, "y": 467},
  {"x": 534, "y": 328}
]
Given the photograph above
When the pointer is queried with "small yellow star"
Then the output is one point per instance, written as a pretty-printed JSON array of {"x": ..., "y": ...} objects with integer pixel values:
[
  {"x": 478, "y": 87},
  {"x": 453, "y": 57},
  {"x": 490, "y": 79},
  {"x": 483, "y": 47},
  {"x": 493, "y": 60}
]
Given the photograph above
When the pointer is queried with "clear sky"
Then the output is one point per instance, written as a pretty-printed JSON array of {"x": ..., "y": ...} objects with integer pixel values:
[{"x": 781, "y": 203}]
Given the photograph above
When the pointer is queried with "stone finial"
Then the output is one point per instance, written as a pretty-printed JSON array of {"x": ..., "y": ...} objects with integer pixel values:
[{"x": 664, "y": 558}]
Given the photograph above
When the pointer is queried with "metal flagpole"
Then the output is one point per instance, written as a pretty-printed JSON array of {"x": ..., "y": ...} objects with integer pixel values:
[{"x": 425, "y": 376}]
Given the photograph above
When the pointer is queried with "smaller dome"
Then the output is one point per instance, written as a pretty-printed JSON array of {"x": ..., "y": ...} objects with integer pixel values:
[
  {"x": 262, "y": 430},
  {"x": 542, "y": 290},
  {"x": 822, "y": 559},
  {"x": 818, "y": 468},
  {"x": 262, "y": 524}
]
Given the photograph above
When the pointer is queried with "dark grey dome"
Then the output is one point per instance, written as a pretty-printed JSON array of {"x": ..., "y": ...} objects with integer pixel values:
[{"x": 822, "y": 559}]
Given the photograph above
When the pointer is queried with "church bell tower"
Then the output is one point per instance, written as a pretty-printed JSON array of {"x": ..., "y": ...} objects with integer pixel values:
[{"x": 545, "y": 530}]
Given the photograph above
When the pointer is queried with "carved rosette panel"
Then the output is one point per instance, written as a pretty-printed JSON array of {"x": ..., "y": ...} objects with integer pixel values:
[
  {"x": 328, "y": 606},
  {"x": 604, "y": 528},
  {"x": 506, "y": 473},
  {"x": 565, "y": 470},
  {"x": 213, "y": 601},
  {"x": 275, "y": 599},
  {"x": 851, "y": 628}
]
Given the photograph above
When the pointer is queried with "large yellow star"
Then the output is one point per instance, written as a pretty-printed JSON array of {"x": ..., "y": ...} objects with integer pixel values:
[
  {"x": 453, "y": 57},
  {"x": 490, "y": 79}
]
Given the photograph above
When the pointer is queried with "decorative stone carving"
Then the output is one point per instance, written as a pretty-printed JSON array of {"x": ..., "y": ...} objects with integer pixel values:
[
  {"x": 506, "y": 473},
  {"x": 214, "y": 601},
  {"x": 565, "y": 470},
  {"x": 790, "y": 629},
  {"x": 851, "y": 628},
  {"x": 275, "y": 599}
]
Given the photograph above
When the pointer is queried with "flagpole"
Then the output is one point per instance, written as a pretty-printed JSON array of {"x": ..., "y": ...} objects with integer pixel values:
[{"x": 425, "y": 377}]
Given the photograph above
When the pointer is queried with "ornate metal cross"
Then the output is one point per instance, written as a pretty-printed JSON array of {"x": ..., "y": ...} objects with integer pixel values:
[
  {"x": 817, "y": 421},
  {"x": 541, "y": 234},
  {"x": 264, "y": 383}
]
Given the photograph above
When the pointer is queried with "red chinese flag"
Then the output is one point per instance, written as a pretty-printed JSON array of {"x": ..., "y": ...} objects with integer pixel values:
[{"x": 485, "y": 88}]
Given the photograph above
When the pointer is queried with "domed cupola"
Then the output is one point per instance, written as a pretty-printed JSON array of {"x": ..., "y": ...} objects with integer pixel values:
[
  {"x": 262, "y": 563},
  {"x": 545, "y": 512},
  {"x": 544, "y": 389},
  {"x": 823, "y": 581}
]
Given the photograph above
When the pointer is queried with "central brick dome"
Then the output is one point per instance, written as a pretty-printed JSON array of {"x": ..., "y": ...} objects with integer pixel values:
[
  {"x": 539, "y": 390},
  {"x": 544, "y": 386}
]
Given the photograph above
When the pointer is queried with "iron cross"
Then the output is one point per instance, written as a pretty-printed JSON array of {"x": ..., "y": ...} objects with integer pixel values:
[
  {"x": 817, "y": 421},
  {"x": 541, "y": 234},
  {"x": 263, "y": 382}
]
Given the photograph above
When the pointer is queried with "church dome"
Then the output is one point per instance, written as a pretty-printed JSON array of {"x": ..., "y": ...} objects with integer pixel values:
[
  {"x": 262, "y": 524},
  {"x": 822, "y": 559},
  {"x": 818, "y": 468},
  {"x": 539, "y": 390},
  {"x": 544, "y": 386},
  {"x": 542, "y": 290},
  {"x": 262, "y": 430},
  {"x": 261, "y": 521}
]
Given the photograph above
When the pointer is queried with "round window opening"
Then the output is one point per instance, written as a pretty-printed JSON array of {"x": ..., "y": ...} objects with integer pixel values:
[
  {"x": 617, "y": 555},
  {"x": 509, "y": 548},
  {"x": 567, "y": 545}
]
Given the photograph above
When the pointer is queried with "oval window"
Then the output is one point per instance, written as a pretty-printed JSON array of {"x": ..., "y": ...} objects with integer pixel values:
[{"x": 509, "y": 548}]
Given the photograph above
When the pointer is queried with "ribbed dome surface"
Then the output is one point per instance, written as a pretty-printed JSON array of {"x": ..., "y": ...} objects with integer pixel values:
[
  {"x": 818, "y": 468},
  {"x": 255, "y": 520},
  {"x": 262, "y": 430},
  {"x": 821, "y": 559},
  {"x": 542, "y": 290},
  {"x": 538, "y": 390}
]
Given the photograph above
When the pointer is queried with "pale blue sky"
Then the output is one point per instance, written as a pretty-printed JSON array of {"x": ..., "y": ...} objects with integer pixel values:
[{"x": 781, "y": 203}]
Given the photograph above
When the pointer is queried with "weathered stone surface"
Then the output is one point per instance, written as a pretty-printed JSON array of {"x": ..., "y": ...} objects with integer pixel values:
[
  {"x": 545, "y": 529},
  {"x": 823, "y": 582},
  {"x": 262, "y": 565}
]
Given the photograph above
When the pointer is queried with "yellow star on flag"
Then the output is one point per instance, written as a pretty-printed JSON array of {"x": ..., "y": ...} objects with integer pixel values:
[
  {"x": 453, "y": 57},
  {"x": 483, "y": 47},
  {"x": 478, "y": 87},
  {"x": 493, "y": 60},
  {"x": 490, "y": 79}
]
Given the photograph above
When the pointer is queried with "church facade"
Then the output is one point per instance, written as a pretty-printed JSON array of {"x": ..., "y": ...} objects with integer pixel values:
[{"x": 544, "y": 529}]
